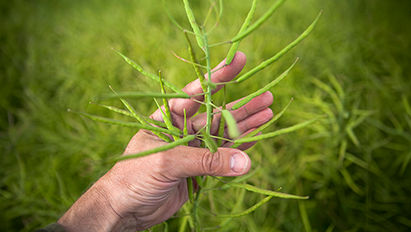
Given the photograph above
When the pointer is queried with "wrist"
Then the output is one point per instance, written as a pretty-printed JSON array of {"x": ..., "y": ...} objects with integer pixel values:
[{"x": 91, "y": 212}]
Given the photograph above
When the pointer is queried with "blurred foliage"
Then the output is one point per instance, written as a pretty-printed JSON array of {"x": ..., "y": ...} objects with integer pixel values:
[{"x": 354, "y": 164}]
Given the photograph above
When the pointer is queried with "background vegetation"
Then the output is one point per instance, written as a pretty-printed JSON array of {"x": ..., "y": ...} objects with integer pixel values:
[{"x": 354, "y": 69}]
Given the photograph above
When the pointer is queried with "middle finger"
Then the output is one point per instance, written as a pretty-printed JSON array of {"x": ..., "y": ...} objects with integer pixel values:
[{"x": 256, "y": 105}]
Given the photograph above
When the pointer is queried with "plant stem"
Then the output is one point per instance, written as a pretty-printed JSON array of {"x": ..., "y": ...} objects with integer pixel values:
[
  {"x": 195, "y": 211},
  {"x": 208, "y": 94}
]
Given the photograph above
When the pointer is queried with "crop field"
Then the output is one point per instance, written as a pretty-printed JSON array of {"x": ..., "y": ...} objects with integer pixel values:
[{"x": 352, "y": 76}]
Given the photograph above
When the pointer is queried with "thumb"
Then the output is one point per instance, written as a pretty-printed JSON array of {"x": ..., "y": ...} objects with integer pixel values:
[{"x": 192, "y": 161}]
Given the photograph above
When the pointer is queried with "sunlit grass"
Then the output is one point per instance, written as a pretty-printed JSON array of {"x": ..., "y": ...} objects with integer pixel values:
[{"x": 58, "y": 55}]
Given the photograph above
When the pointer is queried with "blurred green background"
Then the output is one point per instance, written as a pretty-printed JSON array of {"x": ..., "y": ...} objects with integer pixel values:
[{"x": 354, "y": 69}]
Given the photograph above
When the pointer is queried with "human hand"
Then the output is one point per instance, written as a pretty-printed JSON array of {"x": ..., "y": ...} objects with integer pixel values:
[{"x": 139, "y": 193}]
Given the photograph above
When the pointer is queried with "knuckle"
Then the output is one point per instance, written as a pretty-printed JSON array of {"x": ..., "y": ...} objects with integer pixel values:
[{"x": 212, "y": 163}]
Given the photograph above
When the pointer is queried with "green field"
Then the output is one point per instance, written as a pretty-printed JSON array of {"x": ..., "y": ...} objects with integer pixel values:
[{"x": 354, "y": 73}]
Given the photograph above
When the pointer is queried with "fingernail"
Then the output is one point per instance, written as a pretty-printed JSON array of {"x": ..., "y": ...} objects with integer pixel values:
[{"x": 238, "y": 162}]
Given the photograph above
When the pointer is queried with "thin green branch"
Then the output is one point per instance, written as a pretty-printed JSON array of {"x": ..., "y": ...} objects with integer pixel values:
[
  {"x": 157, "y": 149},
  {"x": 234, "y": 46},
  {"x": 127, "y": 113},
  {"x": 136, "y": 94},
  {"x": 232, "y": 127},
  {"x": 269, "y": 123},
  {"x": 252, "y": 188},
  {"x": 198, "y": 72},
  {"x": 148, "y": 74},
  {"x": 168, "y": 119},
  {"x": 275, "y": 133},
  {"x": 193, "y": 23},
  {"x": 172, "y": 19},
  {"x": 249, "y": 210},
  {"x": 270, "y": 85},
  {"x": 126, "y": 124},
  {"x": 208, "y": 93},
  {"x": 188, "y": 61},
  {"x": 277, "y": 56},
  {"x": 258, "y": 23},
  {"x": 220, "y": 13}
]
